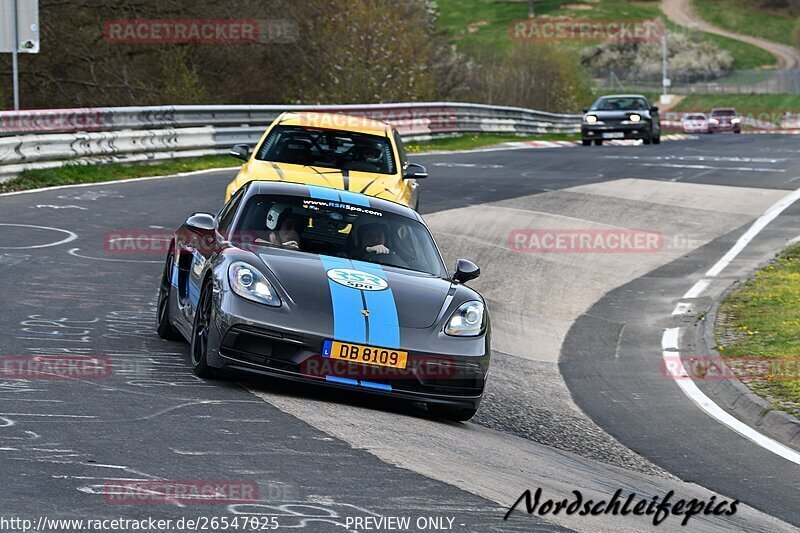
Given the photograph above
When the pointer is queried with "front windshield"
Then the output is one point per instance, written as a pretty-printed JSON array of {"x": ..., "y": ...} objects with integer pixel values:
[
  {"x": 339, "y": 229},
  {"x": 342, "y": 150},
  {"x": 620, "y": 104}
]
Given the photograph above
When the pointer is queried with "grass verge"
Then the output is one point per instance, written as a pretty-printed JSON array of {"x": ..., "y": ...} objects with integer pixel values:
[
  {"x": 475, "y": 25},
  {"x": 760, "y": 320},
  {"x": 743, "y": 16},
  {"x": 470, "y": 141},
  {"x": 74, "y": 174},
  {"x": 742, "y": 102}
]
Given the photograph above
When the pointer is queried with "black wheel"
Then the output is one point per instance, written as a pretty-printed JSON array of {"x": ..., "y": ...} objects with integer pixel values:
[
  {"x": 598, "y": 142},
  {"x": 648, "y": 139},
  {"x": 202, "y": 324},
  {"x": 163, "y": 326},
  {"x": 657, "y": 139},
  {"x": 456, "y": 414},
  {"x": 737, "y": 131},
  {"x": 586, "y": 142}
]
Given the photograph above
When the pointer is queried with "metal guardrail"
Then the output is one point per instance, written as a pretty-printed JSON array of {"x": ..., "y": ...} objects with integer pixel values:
[{"x": 56, "y": 137}]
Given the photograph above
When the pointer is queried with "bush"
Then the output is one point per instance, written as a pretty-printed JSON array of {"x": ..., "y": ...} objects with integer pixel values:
[
  {"x": 535, "y": 75},
  {"x": 689, "y": 58}
]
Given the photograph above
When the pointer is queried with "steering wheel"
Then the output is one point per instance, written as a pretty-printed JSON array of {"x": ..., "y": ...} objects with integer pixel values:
[{"x": 391, "y": 259}]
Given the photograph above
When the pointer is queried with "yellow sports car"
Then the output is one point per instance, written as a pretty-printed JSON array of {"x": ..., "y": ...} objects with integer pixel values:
[{"x": 330, "y": 150}]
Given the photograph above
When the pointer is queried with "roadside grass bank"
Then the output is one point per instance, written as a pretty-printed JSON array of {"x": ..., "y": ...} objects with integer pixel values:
[
  {"x": 476, "y": 26},
  {"x": 758, "y": 324},
  {"x": 78, "y": 173},
  {"x": 748, "y": 18},
  {"x": 470, "y": 141}
]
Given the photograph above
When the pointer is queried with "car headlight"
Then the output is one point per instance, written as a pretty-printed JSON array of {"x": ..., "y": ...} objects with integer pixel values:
[
  {"x": 713, "y": 121},
  {"x": 635, "y": 118},
  {"x": 467, "y": 321},
  {"x": 590, "y": 119},
  {"x": 736, "y": 120},
  {"x": 248, "y": 282}
]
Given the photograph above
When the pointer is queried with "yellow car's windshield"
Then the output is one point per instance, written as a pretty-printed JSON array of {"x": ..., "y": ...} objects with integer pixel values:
[{"x": 342, "y": 150}]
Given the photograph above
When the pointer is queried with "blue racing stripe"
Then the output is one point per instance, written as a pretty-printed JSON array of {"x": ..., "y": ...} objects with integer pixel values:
[
  {"x": 379, "y": 386},
  {"x": 354, "y": 198},
  {"x": 349, "y": 323},
  {"x": 323, "y": 193},
  {"x": 194, "y": 294},
  {"x": 346, "y": 381},
  {"x": 384, "y": 325}
]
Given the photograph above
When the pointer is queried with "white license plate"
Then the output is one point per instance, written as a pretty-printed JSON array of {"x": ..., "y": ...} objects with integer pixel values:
[{"x": 614, "y": 135}]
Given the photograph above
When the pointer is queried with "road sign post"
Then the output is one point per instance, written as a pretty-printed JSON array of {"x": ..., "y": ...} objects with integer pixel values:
[{"x": 19, "y": 34}]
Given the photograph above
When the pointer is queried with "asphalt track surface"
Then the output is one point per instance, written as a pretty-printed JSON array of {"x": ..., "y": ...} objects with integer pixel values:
[{"x": 575, "y": 400}]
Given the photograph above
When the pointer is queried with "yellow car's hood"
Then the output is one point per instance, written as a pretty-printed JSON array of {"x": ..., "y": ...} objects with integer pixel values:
[{"x": 386, "y": 186}]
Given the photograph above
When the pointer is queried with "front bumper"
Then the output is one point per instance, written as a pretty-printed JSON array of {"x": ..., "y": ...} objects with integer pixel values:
[
  {"x": 617, "y": 131},
  {"x": 244, "y": 341},
  {"x": 722, "y": 127}
]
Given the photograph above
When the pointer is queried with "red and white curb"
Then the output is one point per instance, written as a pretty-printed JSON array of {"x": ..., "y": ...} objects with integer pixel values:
[{"x": 612, "y": 142}]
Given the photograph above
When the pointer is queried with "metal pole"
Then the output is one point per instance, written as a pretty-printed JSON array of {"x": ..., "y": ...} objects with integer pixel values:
[
  {"x": 664, "y": 63},
  {"x": 14, "y": 59}
]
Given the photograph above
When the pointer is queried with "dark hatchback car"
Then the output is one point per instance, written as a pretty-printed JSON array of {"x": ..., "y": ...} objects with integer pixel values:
[
  {"x": 724, "y": 119},
  {"x": 621, "y": 116},
  {"x": 328, "y": 287}
]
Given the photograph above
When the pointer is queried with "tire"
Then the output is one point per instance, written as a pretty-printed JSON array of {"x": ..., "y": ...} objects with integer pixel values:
[
  {"x": 647, "y": 140},
  {"x": 202, "y": 323},
  {"x": 164, "y": 326},
  {"x": 598, "y": 142},
  {"x": 737, "y": 131},
  {"x": 657, "y": 139},
  {"x": 586, "y": 142},
  {"x": 454, "y": 414}
]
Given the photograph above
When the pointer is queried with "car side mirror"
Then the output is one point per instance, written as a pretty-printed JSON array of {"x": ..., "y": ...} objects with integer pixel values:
[
  {"x": 240, "y": 151},
  {"x": 654, "y": 109},
  {"x": 201, "y": 222},
  {"x": 585, "y": 109},
  {"x": 415, "y": 172},
  {"x": 465, "y": 271}
]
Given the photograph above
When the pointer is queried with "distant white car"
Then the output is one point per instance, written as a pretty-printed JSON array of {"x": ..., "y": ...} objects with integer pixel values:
[{"x": 696, "y": 123}]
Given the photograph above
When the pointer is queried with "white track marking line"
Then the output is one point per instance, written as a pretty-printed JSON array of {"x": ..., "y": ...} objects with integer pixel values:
[
  {"x": 671, "y": 336},
  {"x": 691, "y": 390},
  {"x": 754, "y": 230},
  {"x": 669, "y": 340},
  {"x": 129, "y": 180},
  {"x": 681, "y": 309},
  {"x": 709, "y": 167},
  {"x": 74, "y": 252},
  {"x": 697, "y": 289},
  {"x": 71, "y": 236}
]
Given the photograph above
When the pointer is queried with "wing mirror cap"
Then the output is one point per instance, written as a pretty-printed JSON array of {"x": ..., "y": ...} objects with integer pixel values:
[
  {"x": 415, "y": 172},
  {"x": 201, "y": 222},
  {"x": 465, "y": 271},
  {"x": 240, "y": 151}
]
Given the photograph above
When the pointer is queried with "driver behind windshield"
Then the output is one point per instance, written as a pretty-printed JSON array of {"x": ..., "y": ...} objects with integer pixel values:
[
  {"x": 283, "y": 227},
  {"x": 372, "y": 240}
]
